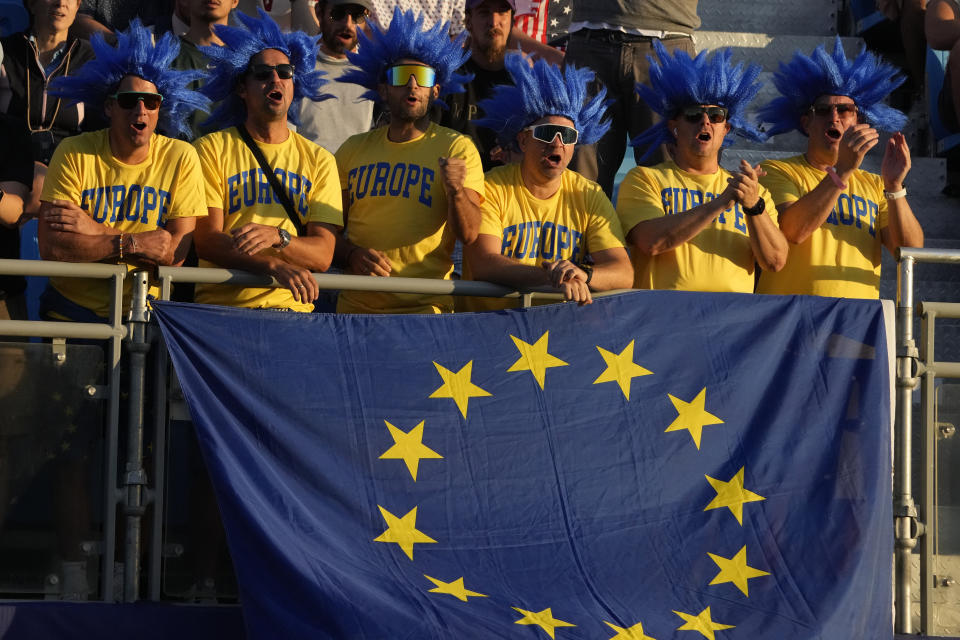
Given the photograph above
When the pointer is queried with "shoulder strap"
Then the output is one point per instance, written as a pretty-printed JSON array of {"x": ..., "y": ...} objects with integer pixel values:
[{"x": 278, "y": 190}]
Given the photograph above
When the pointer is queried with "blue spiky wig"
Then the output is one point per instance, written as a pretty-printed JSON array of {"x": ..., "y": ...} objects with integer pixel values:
[
  {"x": 136, "y": 55},
  {"x": 406, "y": 38},
  {"x": 541, "y": 90},
  {"x": 678, "y": 81},
  {"x": 228, "y": 64},
  {"x": 866, "y": 80}
]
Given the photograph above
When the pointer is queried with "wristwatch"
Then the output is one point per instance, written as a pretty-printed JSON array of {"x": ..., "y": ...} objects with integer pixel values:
[
  {"x": 284, "y": 239},
  {"x": 587, "y": 269},
  {"x": 756, "y": 209}
]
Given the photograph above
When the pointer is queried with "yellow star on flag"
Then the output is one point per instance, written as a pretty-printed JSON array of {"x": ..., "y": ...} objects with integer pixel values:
[
  {"x": 702, "y": 623},
  {"x": 692, "y": 416},
  {"x": 621, "y": 368},
  {"x": 543, "y": 619},
  {"x": 402, "y": 531},
  {"x": 409, "y": 447},
  {"x": 455, "y": 589},
  {"x": 732, "y": 495},
  {"x": 735, "y": 570},
  {"x": 458, "y": 386},
  {"x": 633, "y": 633},
  {"x": 535, "y": 359}
]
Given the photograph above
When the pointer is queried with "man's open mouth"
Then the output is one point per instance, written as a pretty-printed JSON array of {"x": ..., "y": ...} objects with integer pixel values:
[
  {"x": 139, "y": 126},
  {"x": 554, "y": 158},
  {"x": 276, "y": 96},
  {"x": 834, "y": 133},
  {"x": 704, "y": 136}
]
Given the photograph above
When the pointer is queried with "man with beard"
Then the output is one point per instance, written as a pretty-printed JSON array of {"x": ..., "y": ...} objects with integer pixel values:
[
  {"x": 835, "y": 215},
  {"x": 692, "y": 225},
  {"x": 410, "y": 188},
  {"x": 285, "y": 231},
  {"x": 488, "y": 22},
  {"x": 544, "y": 225},
  {"x": 330, "y": 122}
]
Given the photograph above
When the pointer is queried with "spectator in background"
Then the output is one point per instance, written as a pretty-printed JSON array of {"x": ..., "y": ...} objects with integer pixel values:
[
  {"x": 692, "y": 225},
  {"x": 489, "y": 23},
  {"x": 107, "y": 16},
  {"x": 942, "y": 28},
  {"x": 614, "y": 37},
  {"x": 330, "y": 122},
  {"x": 290, "y": 15},
  {"x": 178, "y": 22},
  {"x": 908, "y": 16},
  {"x": 204, "y": 16},
  {"x": 33, "y": 59}
]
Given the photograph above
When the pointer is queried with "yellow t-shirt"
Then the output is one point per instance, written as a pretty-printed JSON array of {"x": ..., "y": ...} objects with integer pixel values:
[
  {"x": 131, "y": 198},
  {"x": 719, "y": 258},
  {"x": 235, "y": 183},
  {"x": 575, "y": 221},
  {"x": 842, "y": 258},
  {"x": 398, "y": 206}
]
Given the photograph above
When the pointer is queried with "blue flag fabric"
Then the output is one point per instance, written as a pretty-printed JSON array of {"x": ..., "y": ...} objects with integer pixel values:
[{"x": 655, "y": 465}]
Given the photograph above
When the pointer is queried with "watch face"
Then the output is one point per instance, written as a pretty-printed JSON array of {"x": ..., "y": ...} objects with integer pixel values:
[{"x": 284, "y": 237}]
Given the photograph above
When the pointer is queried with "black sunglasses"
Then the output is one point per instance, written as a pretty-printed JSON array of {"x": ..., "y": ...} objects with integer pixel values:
[
  {"x": 824, "y": 110},
  {"x": 129, "y": 99},
  {"x": 341, "y": 11},
  {"x": 265, "y": 71},
  {"x": 716, "y": 115}
]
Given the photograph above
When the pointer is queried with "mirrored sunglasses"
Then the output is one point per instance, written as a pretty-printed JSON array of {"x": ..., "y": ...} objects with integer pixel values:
[
  {"x": 339, "y": 12},
  {"x": 547, "y": 133},
  {"x": 129, "y": 99},
  {"x": 399, "y": 75},
  {"x": 716, "y": 115},
  {"x": 824, "y": 110},
  {"x": 265, "y": 71}
]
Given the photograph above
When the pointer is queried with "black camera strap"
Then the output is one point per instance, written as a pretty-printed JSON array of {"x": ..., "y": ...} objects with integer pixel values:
[{"x": 278, "y": 191}]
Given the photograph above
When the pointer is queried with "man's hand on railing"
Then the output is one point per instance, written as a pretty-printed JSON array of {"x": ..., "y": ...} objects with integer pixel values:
[
  {"x": 368, "y": 262},
  {"x": 252, "y": 238},
  {"x": 68, "y": 217},
  {"x": 298, "y": 280}
]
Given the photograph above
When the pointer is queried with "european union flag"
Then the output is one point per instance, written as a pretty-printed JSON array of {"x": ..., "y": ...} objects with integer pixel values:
[{"x": 655, "y": 465}]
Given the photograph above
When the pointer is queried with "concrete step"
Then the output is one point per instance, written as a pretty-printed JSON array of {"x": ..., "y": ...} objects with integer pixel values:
[
  {"x": 772, "y": 16},
  {"x": 768, "y": 49}
]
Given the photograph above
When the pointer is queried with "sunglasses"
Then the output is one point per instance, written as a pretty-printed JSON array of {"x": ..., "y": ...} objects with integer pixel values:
[
  {"x": 129, "y": 99},
  {"x": 399, "y": 75},
  {"x": 340, "y": 12},
  {"x": 265, "y": 71},
  {"x": 716, "y": 115},
  {"x": 824, "y": 110},
  {"x": 548, "y": 132}
]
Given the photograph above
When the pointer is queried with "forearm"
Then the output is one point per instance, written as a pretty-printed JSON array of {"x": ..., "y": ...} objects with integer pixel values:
[
  {"x": 218, "y": 248},
  {"x": 666, "y": 233},
  {"x": 770, "y": 247},
  {"x": 903, "y": 229},
  {"x": 612, "y": 273},
  {"x": 313, "y": 252},
  {"x": 493, "y": 267},
  {"x": 534, "y": 47},
  {"x": 801, "y": 218},
  {"x": 74, "y": 247},
  {"x": 463, "y": 214}
]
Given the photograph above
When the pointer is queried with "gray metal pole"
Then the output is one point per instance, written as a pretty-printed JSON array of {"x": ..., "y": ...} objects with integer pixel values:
[
  {"x": 135, "y": 477},
  {"x": 927, "y": 506},
  {"x": 904, "y": 510},
  {"x": 111, "y": 496}
]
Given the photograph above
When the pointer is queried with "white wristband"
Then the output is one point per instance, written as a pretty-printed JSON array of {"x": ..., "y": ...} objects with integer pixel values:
[{"x": 893, "y": 195}]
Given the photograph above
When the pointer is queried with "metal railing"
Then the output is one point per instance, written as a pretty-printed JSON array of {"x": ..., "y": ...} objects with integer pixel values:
[{"x": 916, "y": 368}]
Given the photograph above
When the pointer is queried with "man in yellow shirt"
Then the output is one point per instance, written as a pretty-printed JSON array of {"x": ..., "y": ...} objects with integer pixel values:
[
  {"x": 259, "y": 78},
  {"x": 542, "y": 224},
  {"x": 693, "y": 225},
  {"x": 124, "y": 194},
  {"x": 835, "y": 215},
  {"x": 410, "y": 188}
]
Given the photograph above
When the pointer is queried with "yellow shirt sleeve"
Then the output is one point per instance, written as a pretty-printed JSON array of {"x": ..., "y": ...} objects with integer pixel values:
[
  {"x": 62, "y": 181},
  {"x": 187, "y": 194},
  {"x": 639, "y": 198},
  {"x": 604, "y": 230},
  {"x": 213, "y": 188},
  {"x": 491, "y": 223},
  {"x": 784, "y": 188},
  {"x": 326, "y": 199}
]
